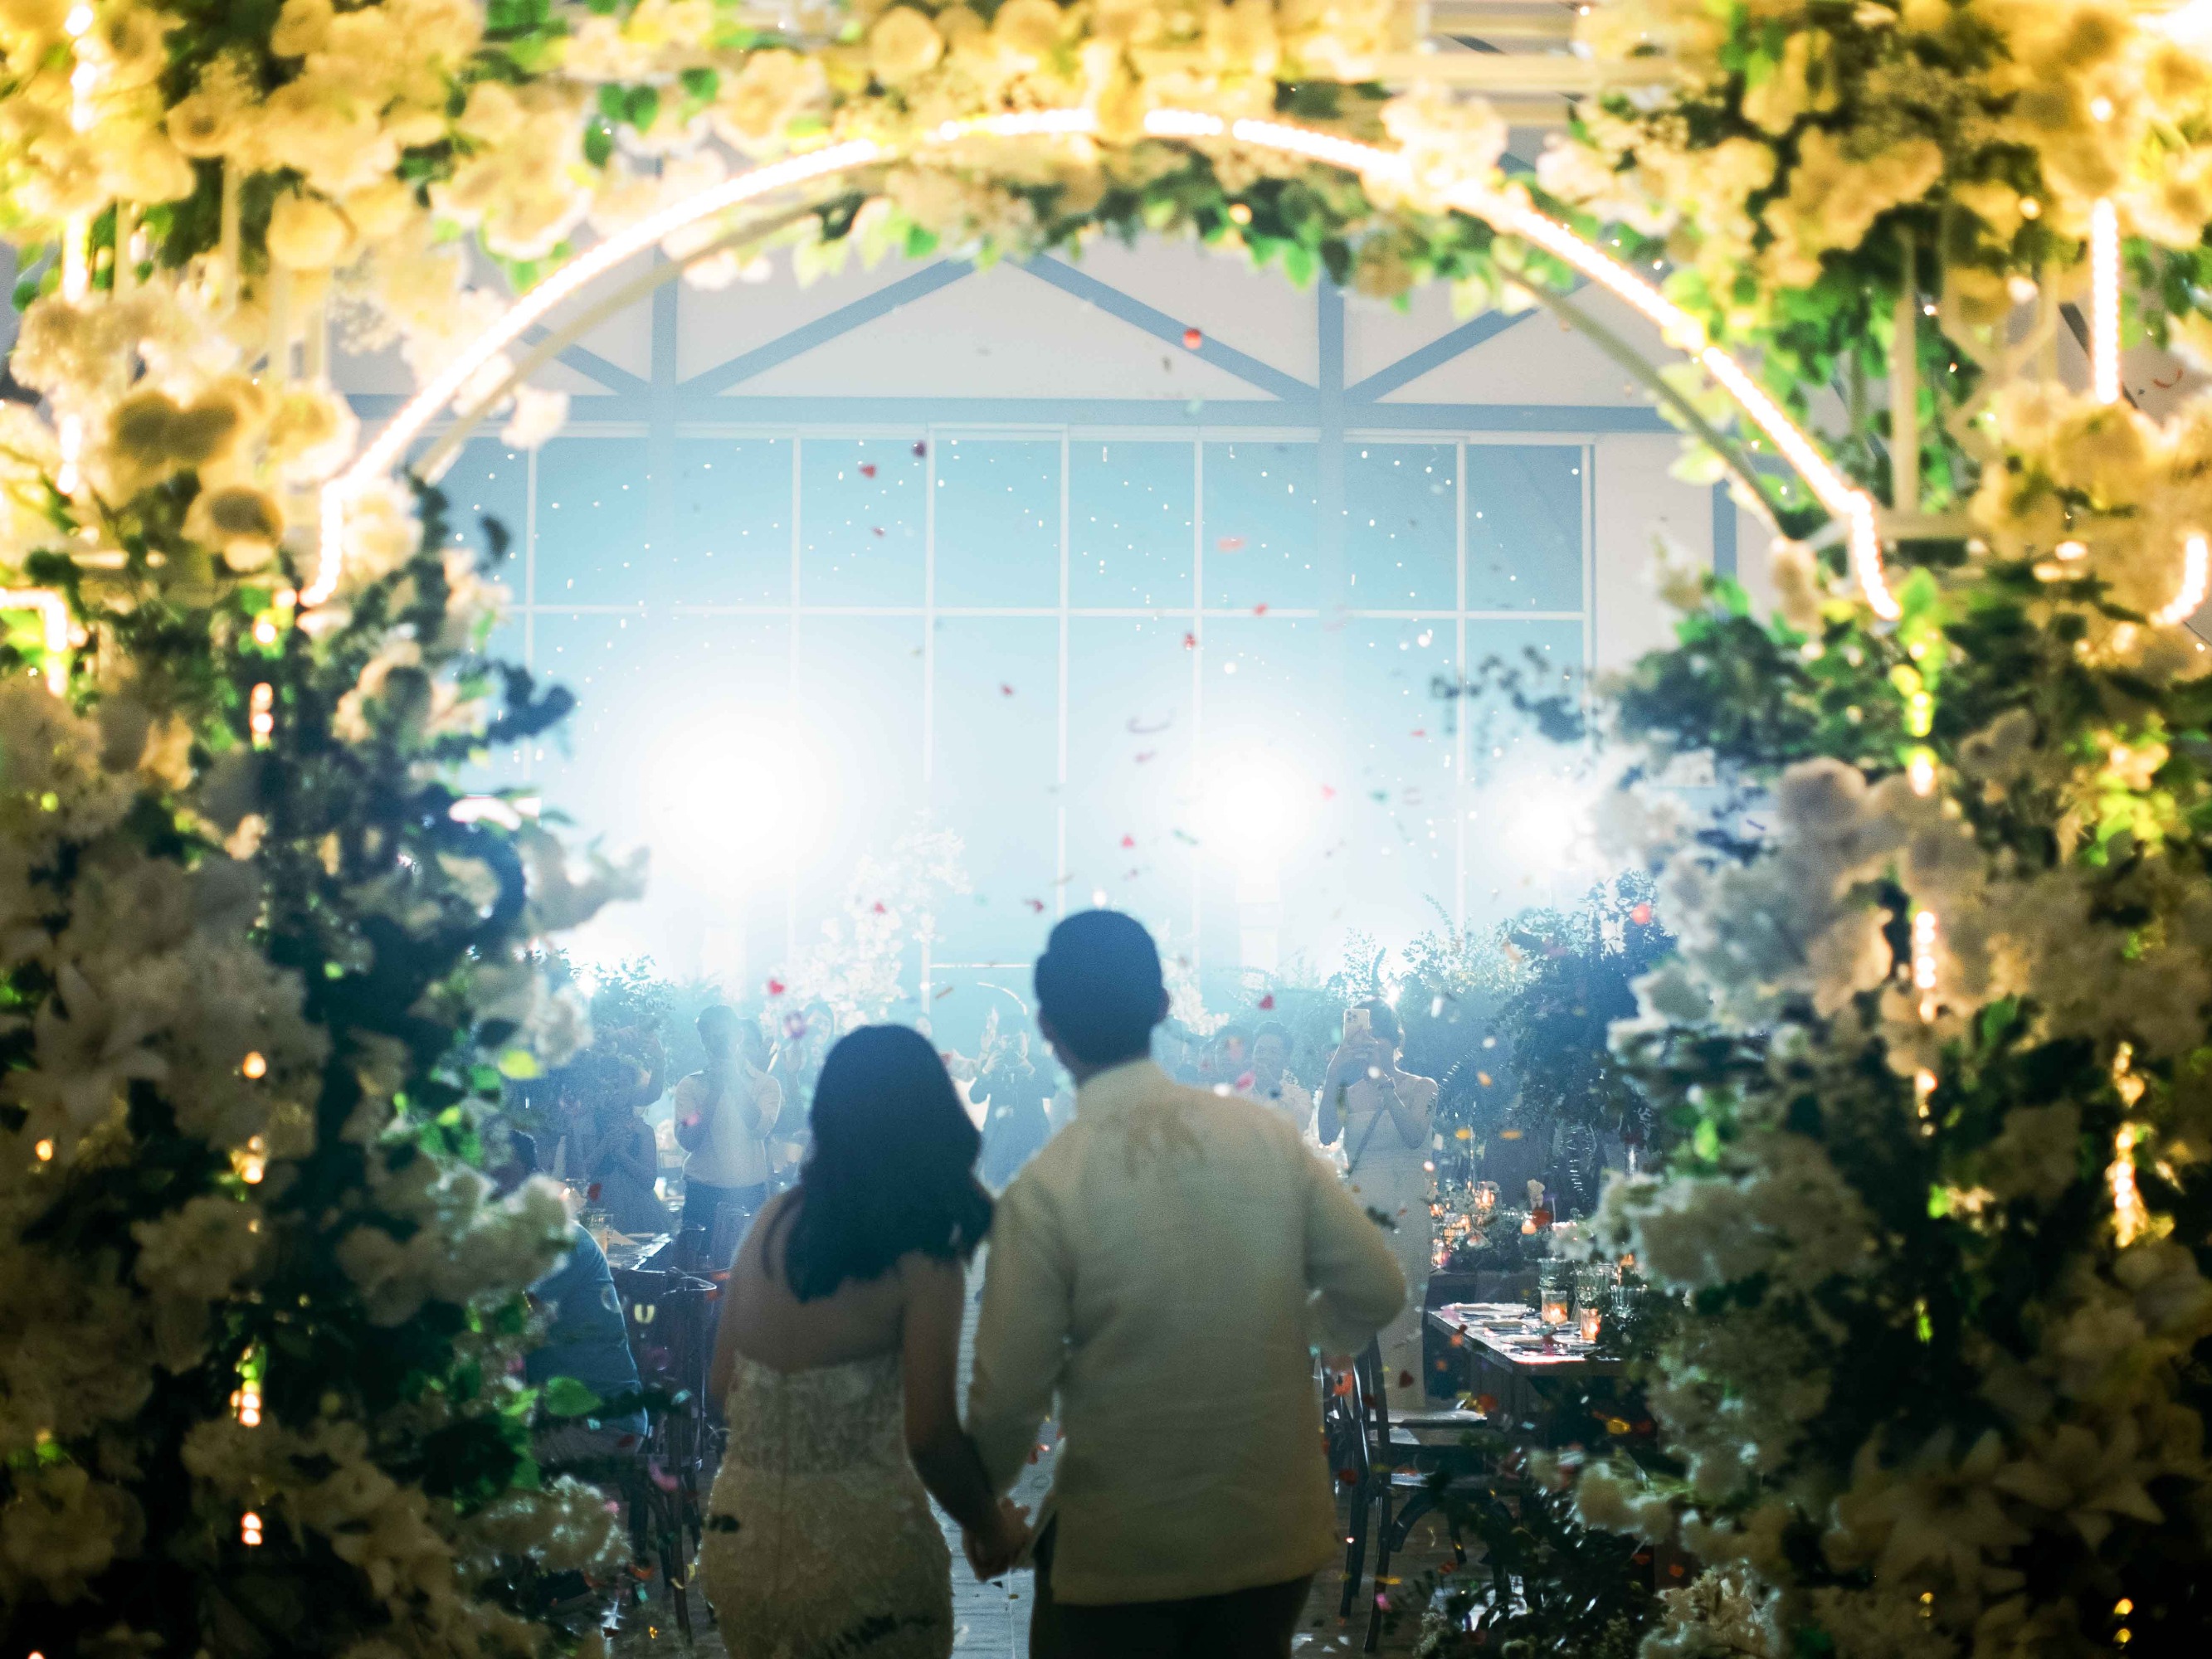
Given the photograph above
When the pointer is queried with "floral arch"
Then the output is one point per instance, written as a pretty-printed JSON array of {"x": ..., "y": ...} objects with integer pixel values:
[{"x": 1939, "y": 1031}]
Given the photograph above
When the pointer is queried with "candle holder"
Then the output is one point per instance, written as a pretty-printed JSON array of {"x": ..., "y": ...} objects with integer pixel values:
[
  {"x": 1594, "y": 1288},
  {"x": 1485, "y": 1198},
  {"x": 1592, "y": 1321},
  {"x": 1554, "y": 1293}
]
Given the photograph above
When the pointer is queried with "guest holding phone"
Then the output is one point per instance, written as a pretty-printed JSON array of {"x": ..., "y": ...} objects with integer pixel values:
[{"x": 1381, "y": 1114}]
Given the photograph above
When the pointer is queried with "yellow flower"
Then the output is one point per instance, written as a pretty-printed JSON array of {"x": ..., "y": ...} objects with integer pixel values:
[
  {"x": 757, "y": 106},
  {"x": 380, "y": 210},
  {"x": 241, "y": 521},
  {"x": 1774, "y": 105},
  {"x": 902, "y": 45},
  {"x": 1031, "y": 28},
  {"x": 307, "y": 233}
]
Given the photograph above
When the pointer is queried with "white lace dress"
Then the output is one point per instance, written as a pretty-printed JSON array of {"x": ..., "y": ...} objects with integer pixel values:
[{"x": 820, "y": 1540}]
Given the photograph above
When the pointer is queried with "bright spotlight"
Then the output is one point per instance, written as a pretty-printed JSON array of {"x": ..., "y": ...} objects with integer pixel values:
[
  {"x": 1547, "y": 825},
  {"x": 737, "y": 797},
  {"x": 1255, "y": 810}
]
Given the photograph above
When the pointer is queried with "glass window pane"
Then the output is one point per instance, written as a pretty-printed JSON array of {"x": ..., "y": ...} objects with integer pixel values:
[
  {"x": 1129, "y": 524},
  {"x": 997, "y": 755},
  {"x": 1401, "y": 525},
  {"x": 1260, "y": 525},
  {"x": 730, "y": 540},
  {"x": 1524, "y": 527},
  {"x": 855, "y": 746},
  {"x": 591, "y": 521},
  {"x": 1131, "y": 828},
  {"x": 1401, "y": 750},
  {"x": 488, "y": 480},
  {"x": 998, "y": 523},
  {"x": 861, "y": 520}
]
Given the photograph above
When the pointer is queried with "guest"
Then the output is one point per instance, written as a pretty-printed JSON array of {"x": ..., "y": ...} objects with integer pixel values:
[
  {"x": 1273, "y": 1083},
  {"x": 586, "y": 1340},
  {"x": 623, "y": 1159},
  {"x": 837, "y": 1356},
  {"x": 1162, "y": 1265},
  {"x": 1382, "y": 1115},
  {"x": 1228, "y": 1059},
  {"x": 725, "y": 1115}
]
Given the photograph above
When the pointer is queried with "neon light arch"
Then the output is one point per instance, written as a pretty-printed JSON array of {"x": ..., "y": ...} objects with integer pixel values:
[{"x": 1509, "y": 213}]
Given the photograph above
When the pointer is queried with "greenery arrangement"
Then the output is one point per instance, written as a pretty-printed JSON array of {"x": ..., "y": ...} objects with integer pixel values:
[{"x": 264, "y": 973}]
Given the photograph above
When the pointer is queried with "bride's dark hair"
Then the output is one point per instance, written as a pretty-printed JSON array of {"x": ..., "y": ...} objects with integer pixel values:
[{"x": 893, "y": 1167}]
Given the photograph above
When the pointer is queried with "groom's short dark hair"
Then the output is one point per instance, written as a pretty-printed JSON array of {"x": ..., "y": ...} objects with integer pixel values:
[{"x": 1098, "y": 982}]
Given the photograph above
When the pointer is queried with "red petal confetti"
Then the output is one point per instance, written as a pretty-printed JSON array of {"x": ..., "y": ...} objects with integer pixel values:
[
  {"x": 920, "y": 448},
  {"x": 1405, "y": 1379},
  {"x": 1267, "y": 1002},
  {"x": 1420, "y": 731},
  {"x": 1146, "y": 755},
  {"x": 1343, "y": 1383},
  {"x": 880, "y": 910},
  {"x": 1347, "y": 1477},
  {"x": 1190, "y": 641},
  {"x": 591, "y": 1193},
  {"x": 1260, "y": 609},
  {"x": 867, "y": 469},
  {"x": 1246, "y": 1080},
  {"x": 776, "y": 988},
  {"x": 875, "y": 530},
  {"x": 1640, "y": 915},
  {"x": 942, "y": 992},
  {"x": 1328, "y": 792},
  {"x": 1192, "y": 339},
  {"x": 1036, "y": 905},
  {"x": 1005, "y": 690},
  {"x": 1128, "y": 841},
  {"x": 1229, "y": 544}
]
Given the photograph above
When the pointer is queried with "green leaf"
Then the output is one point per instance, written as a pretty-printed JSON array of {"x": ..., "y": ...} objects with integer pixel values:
[
  {"x": 613, "y": 101},
  {"x": 519, "y": 1064},
  {"x": 699, "y": 83},
  {"x": 1939, "y": 1202},
  {"x": 644, "y": 107},
  {"x": 1705, "y": 1140},
  {"x": 598, "y": 143},
  {"x": 564, "y": 1397}
]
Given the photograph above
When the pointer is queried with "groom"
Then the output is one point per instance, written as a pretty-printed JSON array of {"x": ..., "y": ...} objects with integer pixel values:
[{"x": 1165, "y": 1265}]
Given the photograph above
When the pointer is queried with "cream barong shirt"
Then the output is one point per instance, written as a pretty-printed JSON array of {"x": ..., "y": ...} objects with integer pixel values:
[{"x": 1166, "y": 1265}]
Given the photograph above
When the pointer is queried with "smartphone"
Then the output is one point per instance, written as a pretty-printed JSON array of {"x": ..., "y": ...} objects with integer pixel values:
[{"x": 1358, "y": 1024}]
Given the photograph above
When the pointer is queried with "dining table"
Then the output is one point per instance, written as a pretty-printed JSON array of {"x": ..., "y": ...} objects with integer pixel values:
[{"x": 1538, "y": 1384}]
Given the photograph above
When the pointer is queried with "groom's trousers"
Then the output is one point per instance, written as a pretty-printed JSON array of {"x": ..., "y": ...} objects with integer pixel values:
[{"x": 1246, "y": 1624}]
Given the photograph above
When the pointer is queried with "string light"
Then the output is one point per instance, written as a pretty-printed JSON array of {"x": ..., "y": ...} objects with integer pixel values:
[
  {"x": 252, "y": 1164},
  {"x": 1923, "y": 1087},
  {"x": 2195, "y": 578},
  {"x": 1923, "y": 961},
  {"x": 245, "y": 1400},
  {"x": 1920, "y": 770},
  {"x": 261, "y": 717},
  {"x": 249, "y": 1530},
  {"x": 2105, "y": 303},
  {"x": 44, "y": 1151},
  {"x": 255, "y": 1066}
]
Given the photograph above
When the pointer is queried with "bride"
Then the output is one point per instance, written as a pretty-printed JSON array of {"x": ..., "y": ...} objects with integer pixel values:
[{"x": 836, "y": 1361}]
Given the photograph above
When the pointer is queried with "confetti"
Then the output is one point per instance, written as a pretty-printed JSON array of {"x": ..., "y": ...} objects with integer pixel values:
[
  {"x": 1328, "y": 792},
  {"x": 1462, "y": 1134},
  {"x": 1005, "y": 690},
  {"x": 1146, "y": 755},
  {"x": 1139, "y": 729},
  {"x": 1483, "y": 1078},
  {"x": 920, "y": 448},
  {"x": 1420, "y": 731},
  {"x": 1246, "y": 1080},
  {"x": 1190, "y": 641},
  {"x": 881, "y": 908},
  {"x": 942, "y": 992},
  {"x": 1229, "y": 544},
  {"x": 875, "y": 530},
  {"x": 1640, "y": 915},
  {"x": 1267, "y": 1001},
  {"x": 1509, "y": 1134},
  {"x": 867, "y": 469},
  {"x": 1192, "y": 339},
  {"x": 1128, "y": 841},
  {"x": 1405, "y": 1379},
  {"x": 1037, "y": 905},
  {"x": 776, "y": 988},
  {"x": 1261, "y": 609}
]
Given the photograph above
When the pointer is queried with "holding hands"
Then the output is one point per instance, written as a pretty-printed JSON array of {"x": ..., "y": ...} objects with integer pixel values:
[{"x": 994, "y": 1552}]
